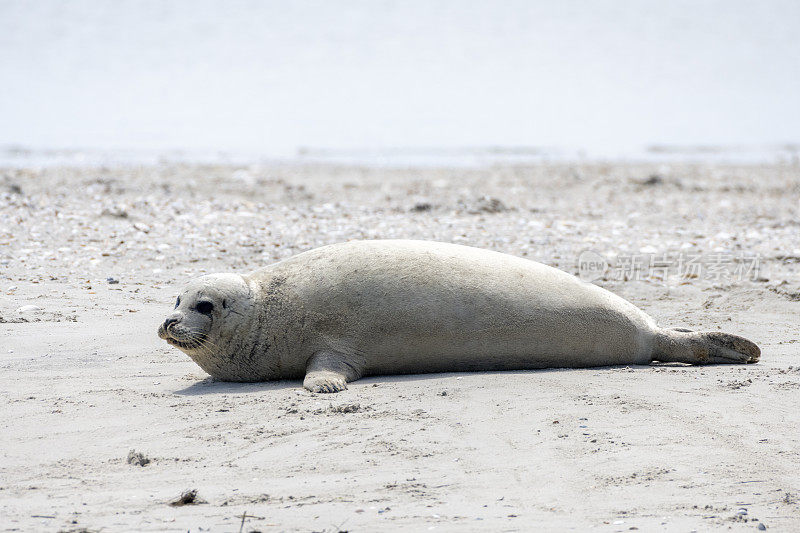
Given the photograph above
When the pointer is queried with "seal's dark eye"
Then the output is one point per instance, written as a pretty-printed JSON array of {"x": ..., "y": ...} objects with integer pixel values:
[
  {"x": 204, "y": 307},
  {"x": 178, "y": 302}
]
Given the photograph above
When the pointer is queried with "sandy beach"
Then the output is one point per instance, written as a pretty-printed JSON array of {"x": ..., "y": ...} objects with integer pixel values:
[{"x": 91, "y": 260}]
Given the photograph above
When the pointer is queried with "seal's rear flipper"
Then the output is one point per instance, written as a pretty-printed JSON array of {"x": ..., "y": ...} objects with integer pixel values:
[{"x": 703, "y": 348}]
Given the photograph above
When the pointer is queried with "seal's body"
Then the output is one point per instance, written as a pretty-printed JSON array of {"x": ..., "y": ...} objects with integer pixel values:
[{"x": 359, "y": 308}]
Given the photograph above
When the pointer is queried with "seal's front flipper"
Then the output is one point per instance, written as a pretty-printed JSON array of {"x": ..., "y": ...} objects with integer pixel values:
[
  {"x": 704, "y": 348},
  {"x": 324, "y": 381},
  {"x": 329, "y": 372}
]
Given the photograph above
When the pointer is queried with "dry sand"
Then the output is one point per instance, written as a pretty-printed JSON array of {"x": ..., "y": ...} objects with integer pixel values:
[{"x": 100, "y": 254}]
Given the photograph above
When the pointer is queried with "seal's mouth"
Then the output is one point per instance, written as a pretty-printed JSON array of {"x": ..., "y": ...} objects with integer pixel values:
[{"x": 182, "y": 344}]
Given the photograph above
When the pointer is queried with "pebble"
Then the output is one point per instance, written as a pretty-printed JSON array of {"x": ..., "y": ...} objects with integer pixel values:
[
  {"x": 761, "y": 526},
  {"x": 116, "y": 211},
  {"x": 485, "y": 204},
  {"x": 28, "y": 309},
  {"x": 112, "y": 281}
]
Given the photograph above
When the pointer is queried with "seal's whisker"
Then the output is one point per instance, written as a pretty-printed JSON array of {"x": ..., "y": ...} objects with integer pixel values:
[
  {"x": 200, "y": 341},
  {"x": 203, "y": 343},
  {"x": 195, "y": 341},
  {"x": 208, "y": 347}
]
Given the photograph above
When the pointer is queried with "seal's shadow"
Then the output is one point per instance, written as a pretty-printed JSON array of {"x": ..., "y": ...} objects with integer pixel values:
[
  {"x": 400, "y": 378},
  {"x": 213, "y": 386}
]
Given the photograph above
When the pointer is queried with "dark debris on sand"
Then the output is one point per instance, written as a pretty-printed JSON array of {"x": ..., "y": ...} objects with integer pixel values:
[{"x": 188, "y": 497}]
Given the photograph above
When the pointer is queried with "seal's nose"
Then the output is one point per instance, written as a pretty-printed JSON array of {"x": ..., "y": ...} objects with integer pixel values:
[{"x": 168, "y": 322}]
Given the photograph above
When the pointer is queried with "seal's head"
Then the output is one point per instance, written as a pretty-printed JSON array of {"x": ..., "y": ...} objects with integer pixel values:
[{"x": 207, "y": 315}]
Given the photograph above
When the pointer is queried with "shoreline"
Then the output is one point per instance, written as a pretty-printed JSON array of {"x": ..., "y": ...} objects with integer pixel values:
[{"x": 461, "y": 157}]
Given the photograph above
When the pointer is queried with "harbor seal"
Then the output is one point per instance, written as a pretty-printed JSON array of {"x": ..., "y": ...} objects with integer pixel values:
[{"x": 340, "y": 312}]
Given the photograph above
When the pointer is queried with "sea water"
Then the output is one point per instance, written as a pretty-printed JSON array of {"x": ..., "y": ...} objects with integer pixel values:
[{"x": 433, "y": 81}]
